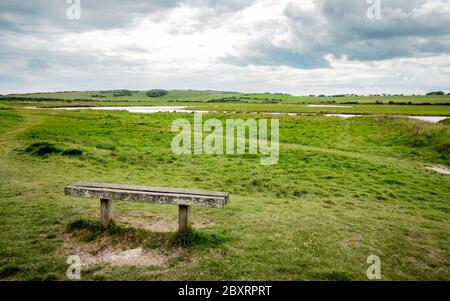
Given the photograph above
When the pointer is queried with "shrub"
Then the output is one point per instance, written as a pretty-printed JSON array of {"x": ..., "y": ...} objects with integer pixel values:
[
  {"x": 9, "y": 270},
  {"x": 156, "y": 93},
  {"x": 71, "y": 152},
  {"x": 229, "y": 99},
  {"x": 436, "y": 93},
  {"x": 122, "y": 93},
  {"x": 41, "y": 149}
]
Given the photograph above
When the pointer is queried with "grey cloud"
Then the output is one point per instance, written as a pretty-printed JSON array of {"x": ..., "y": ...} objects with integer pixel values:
[
  {"x": 267, "y": 55},
  {"x": 391, "y": 36},
  {"x": 49, "y": 16},
  {"x": 339, "y": 27},
  {"x": 345, "y": 30}
]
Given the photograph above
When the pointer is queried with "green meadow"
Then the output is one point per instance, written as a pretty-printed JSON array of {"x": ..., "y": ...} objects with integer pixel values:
[
  {"x": 239, "y": 102},
  {"x": 342, "y": 190},
  {"x": 223, "y": 96},
  {"x": 112, "y": 95}
]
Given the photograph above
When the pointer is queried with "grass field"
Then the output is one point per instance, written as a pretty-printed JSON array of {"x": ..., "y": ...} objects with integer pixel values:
[
  {"x": 218, "y": 96},
  {"x": 239, "y": 102},
  {"x": 421, "y": 110},
  {"x": 342, "y": 190},
  {"x": 173, "y": 95},
  {"x": 439, "y": 110},
  {"x": 348, "y": 99}
]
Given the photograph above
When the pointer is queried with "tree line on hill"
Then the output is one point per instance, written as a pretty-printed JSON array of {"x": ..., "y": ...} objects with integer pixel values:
[
  {"x": 437, "y": 93},
  {"x": 150, "y": 93}
]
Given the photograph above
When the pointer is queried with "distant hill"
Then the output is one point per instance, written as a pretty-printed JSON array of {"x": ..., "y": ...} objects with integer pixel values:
[
  {"x": 129, "y": 95},
  {"x": 122, "y": 95}
]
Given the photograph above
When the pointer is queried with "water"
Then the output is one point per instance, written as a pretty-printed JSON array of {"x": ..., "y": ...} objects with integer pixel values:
[
  {"x": 433, "y": 119},
  {"x": 157, "y": 109},
  {"x": 344, "y": 115},
  {"x": 328, "y": 106},
  {"x": 131, "y": 109}
]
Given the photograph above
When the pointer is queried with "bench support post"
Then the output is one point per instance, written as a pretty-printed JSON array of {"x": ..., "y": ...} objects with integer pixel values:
[
  {"x": 184, "y": 212},
  {"x": 106, "y": 211}
]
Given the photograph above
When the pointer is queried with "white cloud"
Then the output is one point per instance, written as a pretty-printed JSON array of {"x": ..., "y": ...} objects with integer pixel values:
[
  {"x": 312, "y": 46},
  {"x": 433, "y": 7}
]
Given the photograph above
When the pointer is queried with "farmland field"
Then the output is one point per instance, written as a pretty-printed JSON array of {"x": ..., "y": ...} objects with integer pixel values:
[
  {"x": 343, "y": 189},
  {"x": 195, "y": 96}
]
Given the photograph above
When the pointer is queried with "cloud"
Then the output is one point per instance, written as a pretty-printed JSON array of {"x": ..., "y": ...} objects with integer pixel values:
[
  {"x": 49, "y": 16},
  {"x": 301, "y": 47},
  {"x": 312, "y": 29}
]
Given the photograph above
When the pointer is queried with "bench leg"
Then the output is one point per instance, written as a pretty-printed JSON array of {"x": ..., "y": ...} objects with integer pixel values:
[
  {"x": 106, "y": 211},
  {"x": 184, "y": 217}
]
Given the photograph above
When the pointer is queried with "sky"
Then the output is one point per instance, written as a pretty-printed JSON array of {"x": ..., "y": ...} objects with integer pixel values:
[{"x": 299, "y": 47}]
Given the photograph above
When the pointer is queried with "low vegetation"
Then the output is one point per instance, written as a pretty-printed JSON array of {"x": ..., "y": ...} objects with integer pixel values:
[
  {"x": 42, "y": 149},
  {"x": 156, "y": 93},
  {"x": 119, "y": 93},
  {"x": 342, "y": 190},
  {"x": 222, "y": 96}
]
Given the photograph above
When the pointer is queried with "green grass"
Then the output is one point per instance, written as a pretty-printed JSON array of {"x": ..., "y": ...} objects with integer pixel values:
[
  {"x": 173, "y": 95},
  {"x": 342, "y": 190},
  {"x": 219, "y": 96},
  {"x": 239, "y": 102},
  {"x": 369, "y": 109},
  {"x": 348, "y": 99},
  {"x": 439, "y": 110}
]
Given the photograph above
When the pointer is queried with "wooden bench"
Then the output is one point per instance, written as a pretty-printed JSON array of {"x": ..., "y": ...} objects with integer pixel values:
[{"x": 184, "y": 198}]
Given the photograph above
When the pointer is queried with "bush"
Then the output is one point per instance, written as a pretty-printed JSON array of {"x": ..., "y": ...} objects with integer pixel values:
[
  {"x": 9, "y": 270},
  {"x": 230, "y": 99},
  {"x": 41, "y": 149},
  {"x": 436, "y": 93},
  {"x": 72, "y": 152},
  {"x": 156, "y": 93},
  {"x": 118, "y": 93}
]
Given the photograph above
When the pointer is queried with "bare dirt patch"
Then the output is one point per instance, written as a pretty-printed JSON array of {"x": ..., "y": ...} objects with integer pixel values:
[
  {"x": 99, "y": 252},
  {"x": 137, "y": 256}
]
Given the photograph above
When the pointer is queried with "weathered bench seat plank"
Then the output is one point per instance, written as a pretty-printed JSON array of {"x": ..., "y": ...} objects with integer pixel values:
[
  {"x": 154, "y": 189},
  {"x": 184, "y": 198},
  {"x": 160, "y": 195}
]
